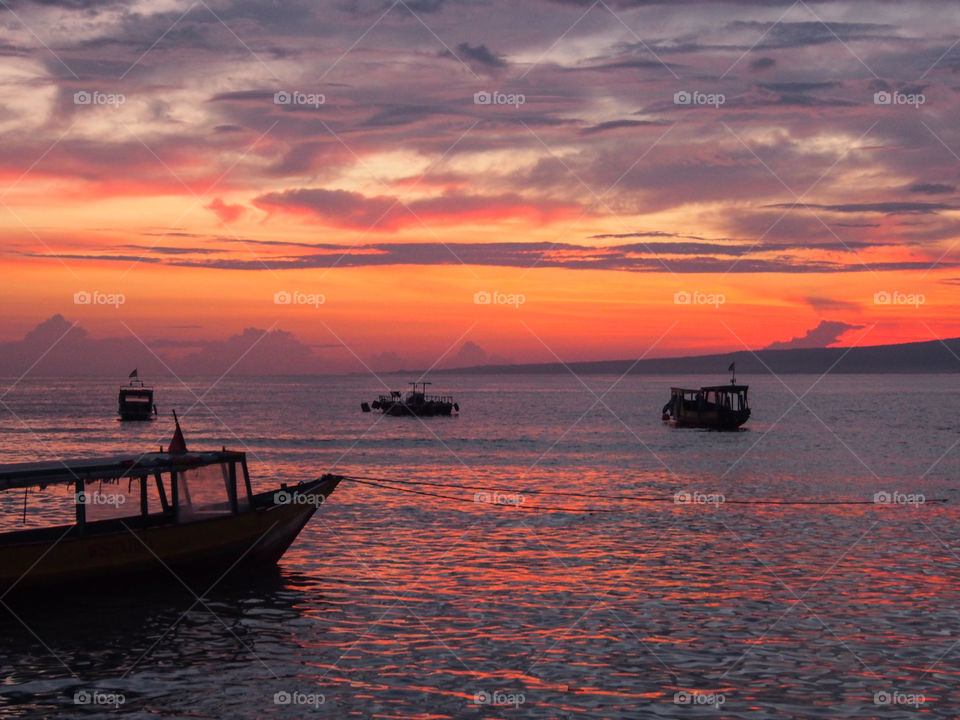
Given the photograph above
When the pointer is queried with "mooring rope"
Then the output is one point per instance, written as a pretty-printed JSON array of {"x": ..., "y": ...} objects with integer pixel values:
[
  {"x": 476, "y": 502},
  {"x": 400, "y": 486}
]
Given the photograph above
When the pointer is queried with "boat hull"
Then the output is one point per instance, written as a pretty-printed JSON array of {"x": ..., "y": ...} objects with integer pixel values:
[
  {"x": 127, "y": 415},
  {"x": 205, "y": 548},
  {"x": 136, "y": 403},
  {"x": 430, "y": 409},
  {"x": 712, "y": 419}
]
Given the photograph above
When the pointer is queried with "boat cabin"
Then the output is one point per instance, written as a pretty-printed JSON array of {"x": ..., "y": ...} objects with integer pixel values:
[
  {"x": 190, "y": 513},
  {"x": 153, "y": 489},
  {"x": 135, "y": 402},
  {"x": 416, "y": 402},
  {"x": 720, "y": 407}
]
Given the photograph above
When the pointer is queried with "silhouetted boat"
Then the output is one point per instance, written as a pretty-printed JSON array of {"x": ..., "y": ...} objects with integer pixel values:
[
  {"x": 415, "y": 402},
  {"x": 135, "y": 401},
  {"x": 716, "y": 407},
  {"x": 190, "y": 513}
]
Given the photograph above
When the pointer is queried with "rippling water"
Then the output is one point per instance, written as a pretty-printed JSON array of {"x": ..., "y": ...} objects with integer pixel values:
[{"x": 396, "y": 605}]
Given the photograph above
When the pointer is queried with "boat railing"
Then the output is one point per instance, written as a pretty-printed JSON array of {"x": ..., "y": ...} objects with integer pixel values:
[{"x": 417, "y": 397}]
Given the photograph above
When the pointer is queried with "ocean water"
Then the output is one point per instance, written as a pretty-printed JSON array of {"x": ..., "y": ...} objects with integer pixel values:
[{"x": 708, "y": 600}]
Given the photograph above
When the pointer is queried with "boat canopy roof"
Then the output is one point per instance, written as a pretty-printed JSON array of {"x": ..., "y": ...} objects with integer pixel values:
[
  {"x": 32, "y": 474},
  {"x": 711, "y": 388}
]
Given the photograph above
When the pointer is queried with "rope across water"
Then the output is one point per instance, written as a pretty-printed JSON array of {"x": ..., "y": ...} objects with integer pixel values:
[{"x": 402, "y": 486}]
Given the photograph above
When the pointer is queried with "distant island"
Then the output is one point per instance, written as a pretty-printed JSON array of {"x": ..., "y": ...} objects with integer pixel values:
[{"x": 934, "y": 356}]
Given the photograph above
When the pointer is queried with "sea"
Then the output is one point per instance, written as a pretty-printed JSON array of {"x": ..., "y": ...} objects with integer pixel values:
[{"x": 553, "y": 551}]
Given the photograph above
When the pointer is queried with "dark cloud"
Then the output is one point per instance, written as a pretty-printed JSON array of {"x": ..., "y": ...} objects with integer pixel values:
[
  {"x": 797, "y": 87},
  {"x": 618, "y": 125},
  {"x": 781, "y": 35},
  {"x": 469, "y": 354},
  {"x": 478, "y": 56},
  {"x": 824, "y": 334},
  {"x": 61, "y": 348},
  {"x": 597, "y": 104},
  {"x": 762, "y": 63},
  {"x": 826, "y": 304},
  {"x": 399, "y": 115},
  {"x": 655, "y": 256},
  {"x": 932, "y": 188},
  {"x": 254, "y": 352},
  {"x": 889, "y": 208},
  {"x": 342, "y": 208},
  {"x": 169, "y": 250}
]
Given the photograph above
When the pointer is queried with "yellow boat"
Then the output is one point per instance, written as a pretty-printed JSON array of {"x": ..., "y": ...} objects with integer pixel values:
[{"x": 186, "y": 513}]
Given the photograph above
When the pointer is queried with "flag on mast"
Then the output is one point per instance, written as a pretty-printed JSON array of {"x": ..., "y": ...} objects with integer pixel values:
[
  {"x": 733, "y": 367},
  {"x": 178, "y": 446},
  {"x": 133, "y": 374}
]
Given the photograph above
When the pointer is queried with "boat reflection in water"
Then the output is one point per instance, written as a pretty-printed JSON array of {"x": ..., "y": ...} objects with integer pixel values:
[{"x": 114, "y": 648}]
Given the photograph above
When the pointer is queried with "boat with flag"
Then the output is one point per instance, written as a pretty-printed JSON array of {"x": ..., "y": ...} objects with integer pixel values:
[
  {"x": 135, "y": 401},
  {"x": 713, "y": 407},
  {"x": 189, "y": 513},
  {"x": 415, "y": 402}
]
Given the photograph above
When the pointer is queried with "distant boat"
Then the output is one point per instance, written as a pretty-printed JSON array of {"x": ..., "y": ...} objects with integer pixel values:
[
  {"x": 135, "y": 401},
  {"x": 715, "y": 407},
  {"x": 415, "y": 402},
  {"x": 192, "y": 513}
]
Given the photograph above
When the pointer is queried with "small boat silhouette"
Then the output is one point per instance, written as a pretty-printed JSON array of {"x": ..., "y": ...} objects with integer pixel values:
[
  {"x": 416, "y": 402},
  {"x": 135, "y": 401},
  {"x": 715, "y": 407}
]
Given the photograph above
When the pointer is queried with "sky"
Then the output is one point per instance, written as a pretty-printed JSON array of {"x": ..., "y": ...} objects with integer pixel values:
[{"x": 379, "y": 184}]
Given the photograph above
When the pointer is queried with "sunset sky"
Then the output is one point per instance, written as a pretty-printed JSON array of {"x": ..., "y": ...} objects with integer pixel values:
[{"x": 619, "y": 178}]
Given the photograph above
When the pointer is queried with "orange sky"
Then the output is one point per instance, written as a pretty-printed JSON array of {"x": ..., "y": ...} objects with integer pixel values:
[{"x": 399, "y": 197}]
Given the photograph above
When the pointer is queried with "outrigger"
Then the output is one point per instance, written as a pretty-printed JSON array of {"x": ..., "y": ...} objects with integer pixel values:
[
  {"x": 416, "y": 402},
  {"x": 192, "y": 513},
  {"x": 715, "y": 407}
]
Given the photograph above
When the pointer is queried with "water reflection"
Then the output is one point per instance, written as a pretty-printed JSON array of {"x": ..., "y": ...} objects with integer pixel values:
[
  {"x": 150, "y": 646},
  {"x": 411, "y": 607}
]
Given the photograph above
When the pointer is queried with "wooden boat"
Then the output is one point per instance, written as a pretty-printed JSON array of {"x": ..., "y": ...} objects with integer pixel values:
[
  {"x": 416, "y": 402},
  {"x": 190, "y": 513},
  {"x": 135, "y": 401},
  {"x": 716, "y": 407}
]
